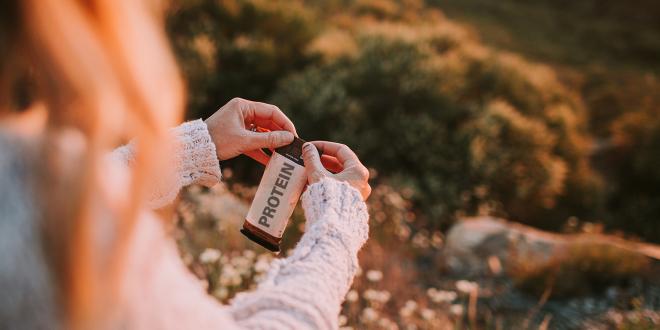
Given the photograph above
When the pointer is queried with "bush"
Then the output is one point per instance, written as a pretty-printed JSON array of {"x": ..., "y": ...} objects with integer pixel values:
[
  {"x": 466, "y": 128},
  {"x": 253, "y": 43},
  {"x": 634, "y": 158},
  {"x": 585, "y": 267}
]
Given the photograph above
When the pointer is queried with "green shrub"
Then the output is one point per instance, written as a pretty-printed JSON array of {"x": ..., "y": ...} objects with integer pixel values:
[
  {"x": 585, "y": 267},
  {"x": 469, "y": 130},
  {"x": 461, "y": 125},
  {"x": 635, "y": 158},
  {"x": 248, "y": 45}
]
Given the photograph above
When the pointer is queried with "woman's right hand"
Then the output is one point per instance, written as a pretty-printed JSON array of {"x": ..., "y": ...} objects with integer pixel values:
[
  {"x": 230, "y": 126},
  {"x": 353, "y": 172}
]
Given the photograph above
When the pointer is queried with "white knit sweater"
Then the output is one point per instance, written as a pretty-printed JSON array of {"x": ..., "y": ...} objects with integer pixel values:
[{"x": 302, "y": 291}]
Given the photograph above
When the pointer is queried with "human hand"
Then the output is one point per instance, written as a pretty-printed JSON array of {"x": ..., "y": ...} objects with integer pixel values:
[
  {"x": 352, "y": 171},
  {"x": 230, "y": 129}
]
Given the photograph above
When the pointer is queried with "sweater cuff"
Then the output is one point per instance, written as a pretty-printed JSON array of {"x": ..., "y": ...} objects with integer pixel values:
[
  {"x": 339, "y": 208},
  {"x": 197, "y": 160}
]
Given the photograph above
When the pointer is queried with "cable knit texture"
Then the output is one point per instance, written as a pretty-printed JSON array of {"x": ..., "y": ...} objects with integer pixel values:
[
  {"x": 193, "y": 161},
  {"x": 306, "y": 289},
  {"x": 302, "y": 291}
]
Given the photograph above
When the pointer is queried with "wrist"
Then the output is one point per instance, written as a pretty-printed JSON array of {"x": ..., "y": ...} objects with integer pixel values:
[
  {"x": 198, "y": 159},
  {"x": 339, "y": 208},
  {"x": 212, "y": 133}
]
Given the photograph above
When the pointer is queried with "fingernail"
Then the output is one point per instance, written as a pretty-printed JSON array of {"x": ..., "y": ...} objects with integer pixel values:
[{"x": 286, "y": 136}]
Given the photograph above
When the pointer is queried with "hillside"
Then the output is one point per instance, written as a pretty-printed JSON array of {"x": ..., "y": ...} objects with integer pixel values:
[{"x": 543, "y": 113}]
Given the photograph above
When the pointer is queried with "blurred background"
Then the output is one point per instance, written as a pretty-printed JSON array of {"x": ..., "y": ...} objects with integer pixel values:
[{"x": 514, "y": 148}]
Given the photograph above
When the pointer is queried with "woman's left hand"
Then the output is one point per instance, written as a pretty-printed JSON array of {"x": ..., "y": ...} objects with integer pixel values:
[
  {"x": 230, "y": 129},
  {"x": 351, "y": 169}
]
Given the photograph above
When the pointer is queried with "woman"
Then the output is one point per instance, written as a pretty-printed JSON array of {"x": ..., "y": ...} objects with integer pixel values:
[{"x": 79, "y": 247}]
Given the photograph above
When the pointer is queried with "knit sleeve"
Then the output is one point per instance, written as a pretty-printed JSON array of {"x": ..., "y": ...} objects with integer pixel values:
[
  {"x": 306, "y": 289},
  {"x": 193, "y": 160}
]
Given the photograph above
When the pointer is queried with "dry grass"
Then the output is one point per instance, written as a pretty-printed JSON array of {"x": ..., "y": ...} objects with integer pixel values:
[{"x": 583, "y": 267}]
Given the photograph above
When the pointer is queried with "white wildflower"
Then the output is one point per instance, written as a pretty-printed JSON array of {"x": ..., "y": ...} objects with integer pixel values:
[
  {"x": 242, "y": 264},
  {"x": 441, "y": 296},
  {"x": 229, "y": 276},
  {"x": 377, "y": 296},
  {"x": 221, "y": 292},
  {"x": 420, "y": 241},
  {"x": 262, "y": 265},
  {"x": 352, "y": 296},
  {"x": 384, "y": 296},
  {"x": 369, "y": 314},
  {"x": 466, "y": 286},
  {"x": 374, "y": 275},
  {"x": 209, "y": 256},
  {"x": 385, "y": 323},
  {"x": 403, "y": 232},
  {"x": 411, "y": 304},
  {"x": 456, "y": 309},
  {"x": 249, "y": 254},
  {"x": 408, "y": 308},
  {"x": 342, "y": 320},
  {"x": 405, "y": 312},
  {"x": 427, "y": 314}
]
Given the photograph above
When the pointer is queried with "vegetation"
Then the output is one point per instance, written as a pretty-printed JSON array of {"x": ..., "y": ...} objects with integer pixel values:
[
  {"x": 422, "y": 101},
  {"x": 585, "y": 267},
  {"x": 585, "y": 33},
  {"x": 542, "y": 112},
  {"x": 608, "y": 51}
]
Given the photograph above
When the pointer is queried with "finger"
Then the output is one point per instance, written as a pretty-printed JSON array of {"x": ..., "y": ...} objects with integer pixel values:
[
  {"x": 272, "y": 140},
  {"x": 343, "y": 153},
  {"x": 331, "y": 164},
  {"x": 262, "y": 112},
  {"x": 313, "y": 166},
  {"x": 312, "y": 158},
  {"x": 258, "y": 155},
  {"x": 358, "y": 173}
]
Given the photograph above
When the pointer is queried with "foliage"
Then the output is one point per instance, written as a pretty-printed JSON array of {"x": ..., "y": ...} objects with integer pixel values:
[
  {"x": 583, "y": 33},
  {"x": 611, "y": 59},
  {"x": 465, "y": 128},
  {"x": 386, "y": 293},
  {"x": 448, "y": 126},
  {"x": 635, "y": 197},
  {"x": 585, "y": 267},
  {"x": 251, "y": 44},
  {"x": 437, "y": 113}
]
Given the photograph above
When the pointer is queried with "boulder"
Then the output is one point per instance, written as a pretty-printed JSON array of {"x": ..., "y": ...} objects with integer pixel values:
[{"x": 482, "y": 245}]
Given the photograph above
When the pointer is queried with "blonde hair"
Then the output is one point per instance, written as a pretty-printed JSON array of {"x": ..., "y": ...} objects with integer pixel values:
[{"x": 104, "y": 71}]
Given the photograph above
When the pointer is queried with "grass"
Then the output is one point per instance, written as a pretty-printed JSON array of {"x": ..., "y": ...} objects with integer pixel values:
[
  {"x": 586, "y": 267},
  {"x": 610, "y": 33},
  {"x": 607, "y": 50}
]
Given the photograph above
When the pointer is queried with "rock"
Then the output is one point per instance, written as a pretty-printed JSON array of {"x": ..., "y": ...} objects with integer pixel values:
[{"x": 472, "y": 244}]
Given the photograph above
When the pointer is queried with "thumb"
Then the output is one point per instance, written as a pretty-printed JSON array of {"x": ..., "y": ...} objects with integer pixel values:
[
  {"x": 274, "y": 139},
  {"x": 313, "y": 166}
]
